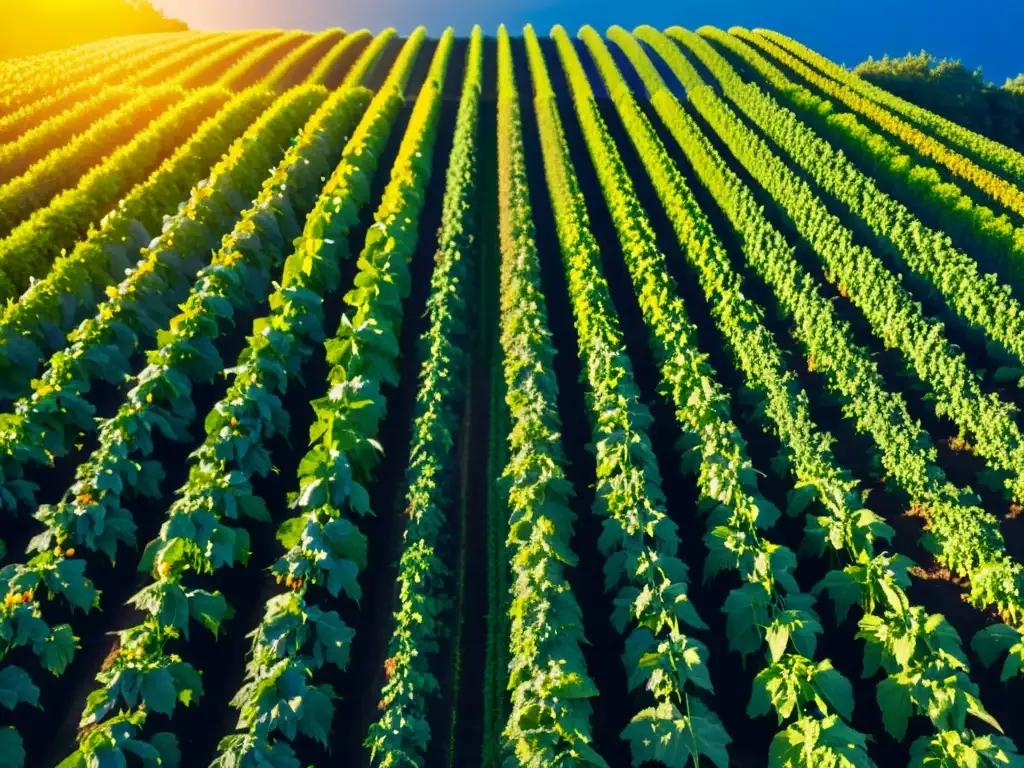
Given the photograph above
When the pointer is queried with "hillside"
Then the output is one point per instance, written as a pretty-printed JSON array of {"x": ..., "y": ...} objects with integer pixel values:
[
  {"x": 640, "y": 398},
  {"x": 37, "y": 26}
]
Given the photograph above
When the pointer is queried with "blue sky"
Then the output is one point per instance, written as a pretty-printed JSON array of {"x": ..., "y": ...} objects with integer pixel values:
[{"x": 984, "y": 33}]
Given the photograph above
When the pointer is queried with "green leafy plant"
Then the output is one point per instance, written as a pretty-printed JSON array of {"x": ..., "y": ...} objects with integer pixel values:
[
  {"x": 401, "y": 733},
  {"x": 324, "y": 549},
  {"x": 194, "y": 539},
  {"x": 984, "y": 149},
  {"x": 875, "y": 581},
  {"x": 549, "y": 721},
  {"x": 37, "y": 322},
  {"x": 46, "y": 423}
]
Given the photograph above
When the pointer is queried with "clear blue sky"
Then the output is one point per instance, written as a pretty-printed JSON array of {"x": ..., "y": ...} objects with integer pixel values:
[{"x": 984, "y": 33}]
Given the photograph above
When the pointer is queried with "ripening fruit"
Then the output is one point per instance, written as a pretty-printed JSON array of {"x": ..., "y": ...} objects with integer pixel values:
[
  {"x": 27, "y": 595},
  {"x": 163, "y": 569},
  {"x": 70, "y": 552}
]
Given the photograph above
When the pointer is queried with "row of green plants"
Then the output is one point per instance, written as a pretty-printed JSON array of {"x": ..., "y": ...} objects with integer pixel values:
[
  {"x": 258, "y": 62},
  {"x": 767, "y": 614},
  {"x": 401, "y": 733},
  {"x": 964, "y": 537},
  {"x": 190, "y": 63},
  {"x": 990, "y": 184},
  {"x": 979, "y": 299},
  {"x": 46, "y": 80},
  {"x": 66, "y": 63},
  {"x": 91, "y": 519},
  {"x": 35, "y": 326},
  {"x": 294, "y": 68},
  {"x": 62, "y": 61},
  {"x": 58, "y": 302},
  {"x": 640, "y": 542},
  {"x": 547, "y": 681},
  {"x": 326, "y": 68},
  {"x": 63, "y": 168},
  {"x": 197, "y": 535},
  {"x": 120, "y": 71},
  {"x": 495, "y": 701},
  {"x": 53, "y": 228},
  {"x": 46, "y": 422},
  {"x": 367, "y": 60},
  {"x": 962, "y": 218},
  {"x": 23, "y": 626},
  {"x": 982, "y": 148},
  {"x": 986, "y": 422},
  {"x": 202, "y": 534},
  {"x": 214, "y": 63},
  {"x": 324, "y": 551},
  {"x": 18, "y": 156},
  {"x": 932, "y": 678}
]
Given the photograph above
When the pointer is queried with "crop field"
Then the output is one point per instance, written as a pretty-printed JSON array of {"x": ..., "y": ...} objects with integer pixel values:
[{"x": 647, "y": 398}]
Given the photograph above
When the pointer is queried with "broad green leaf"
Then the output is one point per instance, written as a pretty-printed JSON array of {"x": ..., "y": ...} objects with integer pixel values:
[
  {"x": 158, "y": 691},
  {"x": 894, "y": 699},
  {"x": 12, "y": 751},
  {"x": 777, "y": 636},
  {"x": 993, "y": 641},
  {"x": 836, "y": 690},
  {"x": 59, "y": 649},
  {"x": 209, "y": 609},
  {"x": 290, "y": 531},
  {"x": 798, "y": 499},
  {"x": 167, "y": 745},
  {"x": 844, "y": 591},
  {"x": 666, "y": 736},
  {"x": 16, "y": 687}
]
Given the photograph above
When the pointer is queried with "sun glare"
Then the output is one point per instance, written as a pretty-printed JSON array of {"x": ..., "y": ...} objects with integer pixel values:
[{"x": 42, "y": 25}]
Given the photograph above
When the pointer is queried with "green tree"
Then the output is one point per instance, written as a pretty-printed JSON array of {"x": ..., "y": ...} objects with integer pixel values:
[{"x": 947, "y": 87}]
